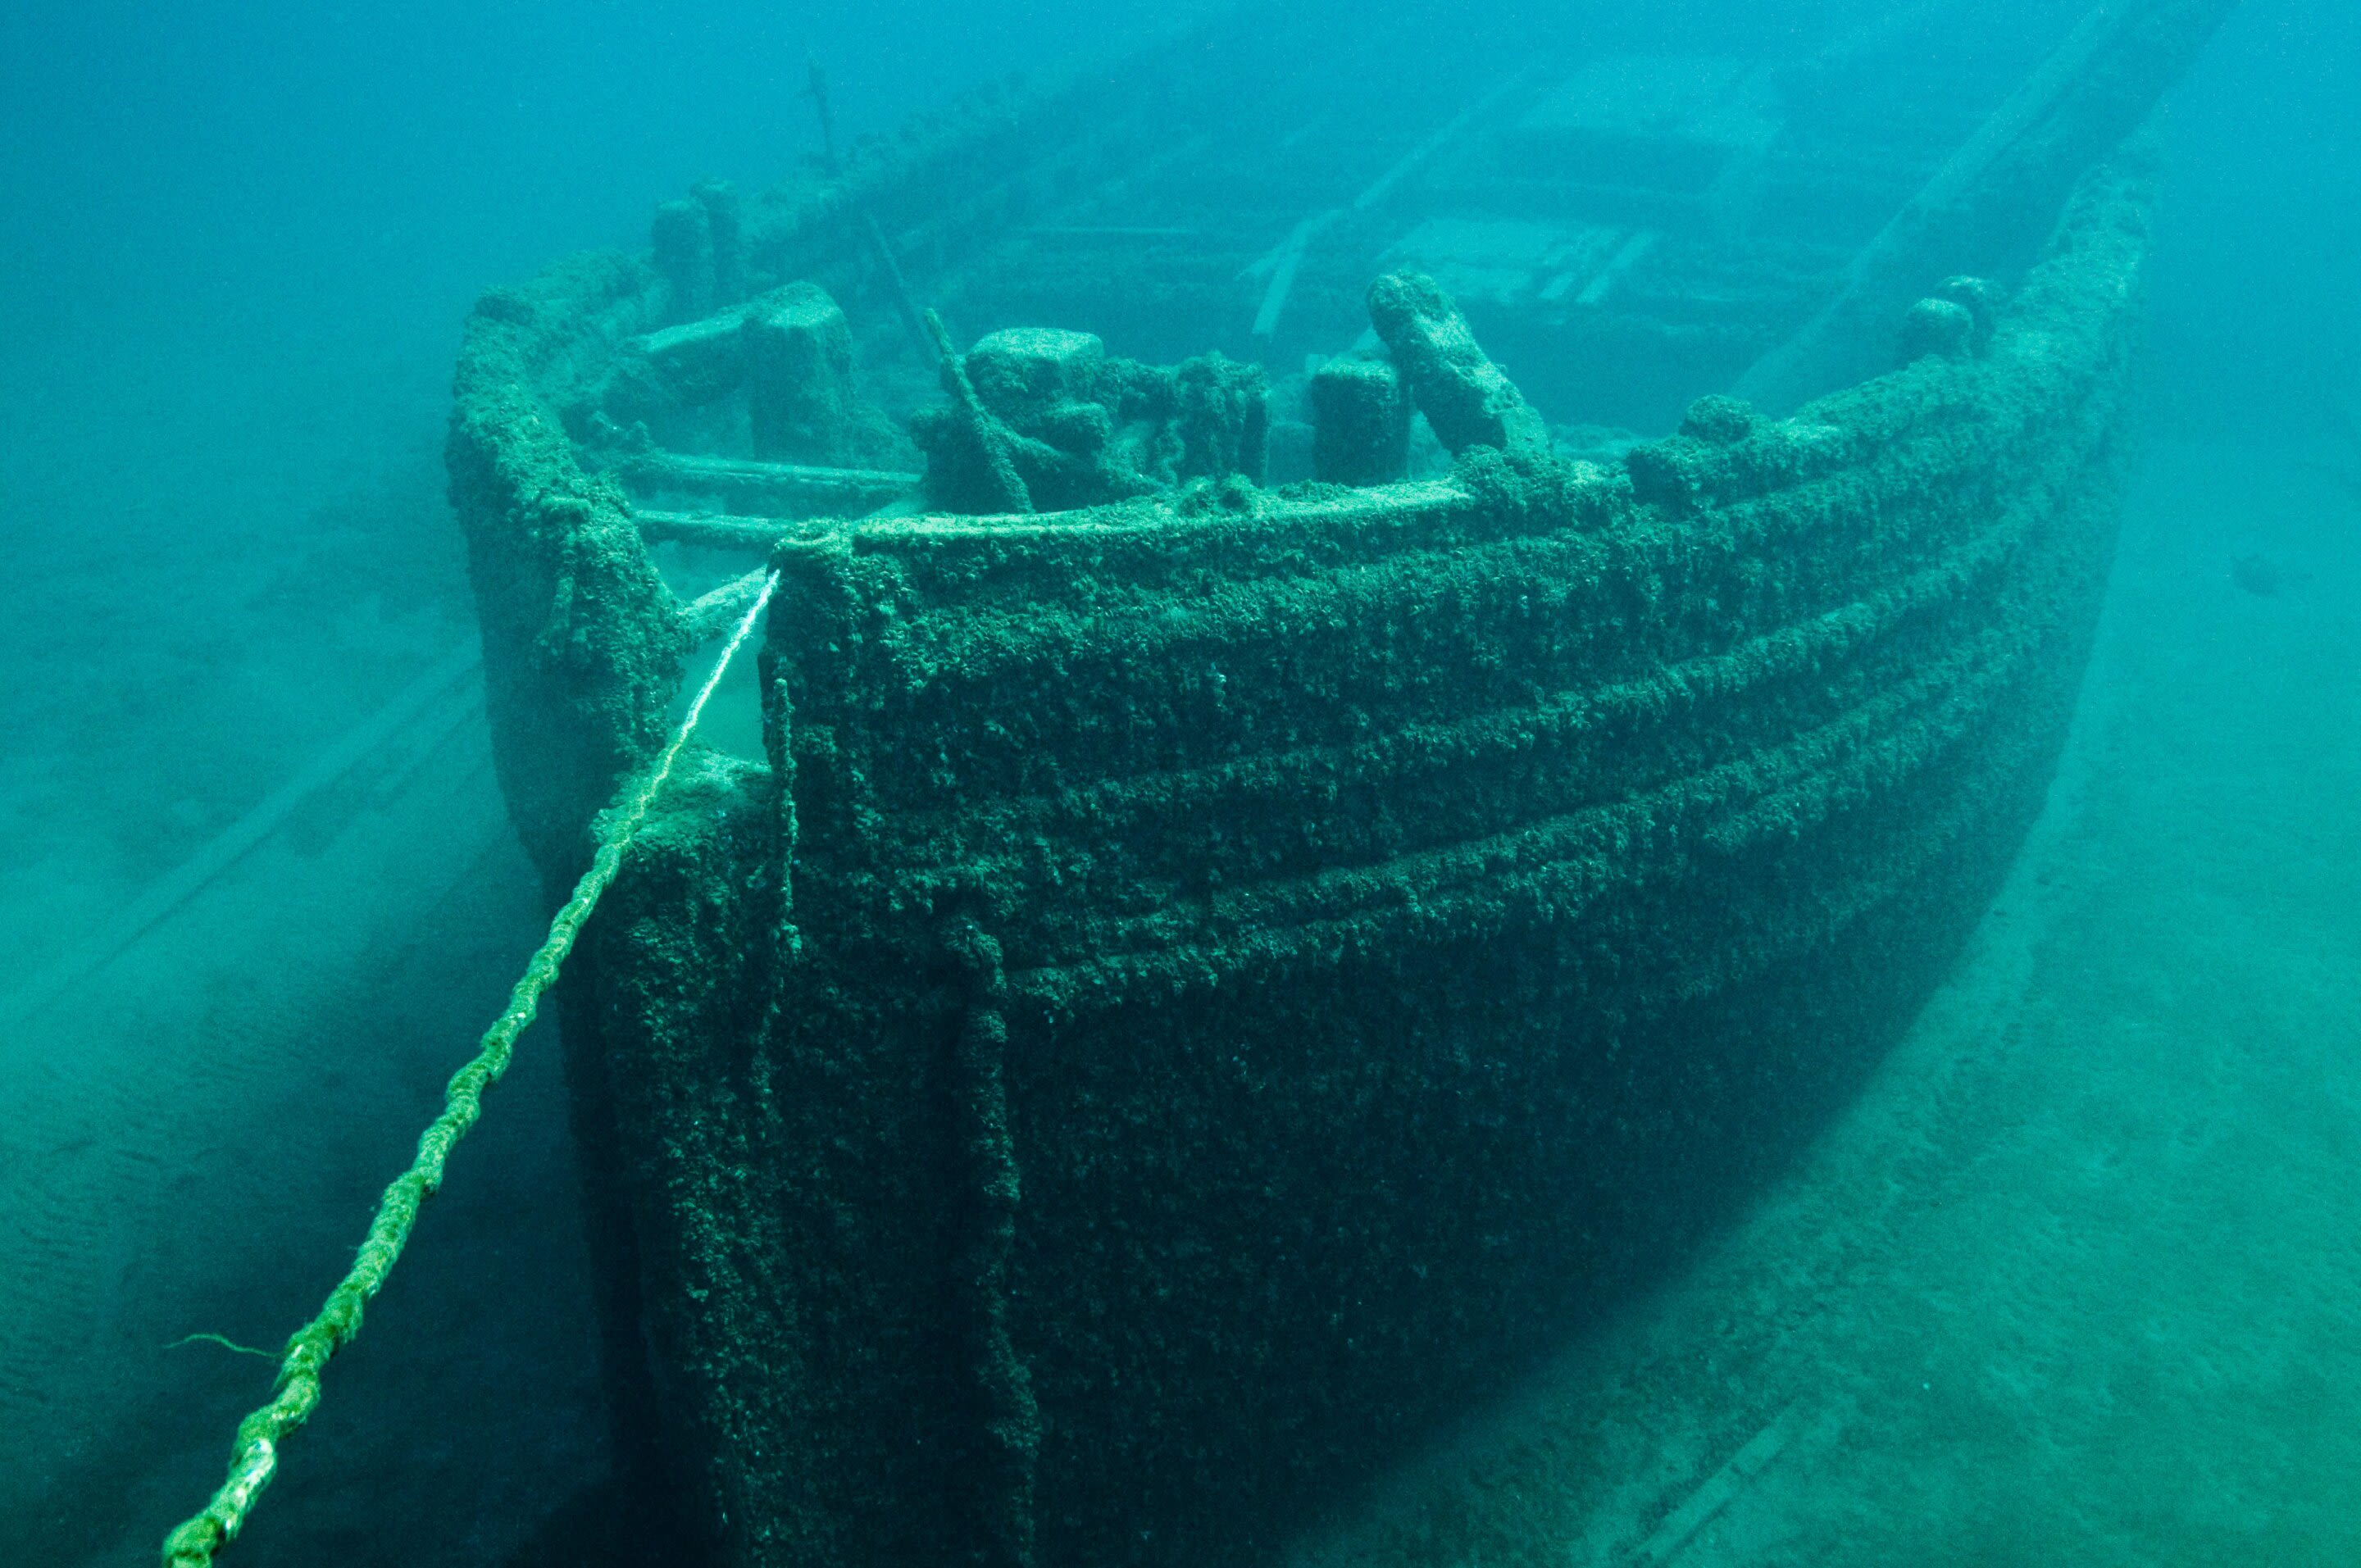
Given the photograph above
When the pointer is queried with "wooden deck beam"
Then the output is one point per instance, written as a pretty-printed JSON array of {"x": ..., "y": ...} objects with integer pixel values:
[
  {"x": 715, "y": 531},
  {"x": 776, "y": 489}
]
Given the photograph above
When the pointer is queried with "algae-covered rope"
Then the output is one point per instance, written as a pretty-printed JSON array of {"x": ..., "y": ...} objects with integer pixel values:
[{"x": 297, "y": 1392}]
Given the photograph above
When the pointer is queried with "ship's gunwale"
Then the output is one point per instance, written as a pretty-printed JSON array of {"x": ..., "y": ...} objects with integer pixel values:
[{"x": 1813, "y": 447}]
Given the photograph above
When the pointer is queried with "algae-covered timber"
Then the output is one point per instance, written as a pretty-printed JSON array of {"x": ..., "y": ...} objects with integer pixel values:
[{"x": 1264, "y": 882}]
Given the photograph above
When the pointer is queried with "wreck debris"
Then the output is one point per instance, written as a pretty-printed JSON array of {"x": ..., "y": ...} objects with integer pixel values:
[
  {"x": 683, "y": 366},
  {"x": 1466, "y": 398},
  {"x": 1283, "y": 261},
  {"x": 698, "y": 249},
  {"x": 2092, "y": 93},
  {"x": 969, "y": 454},
  {"x": 1939, "y": 327},
  {"x": 788, "y": 352},
  {"x": 1074, "y": 427},
  {"x": 798, "y": 353},
  {"x": 1360, "y": 423},
  {"x": 737, "y": 484}
]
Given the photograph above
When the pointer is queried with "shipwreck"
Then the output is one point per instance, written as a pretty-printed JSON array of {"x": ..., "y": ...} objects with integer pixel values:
[{"x": 1377, "y": 686}]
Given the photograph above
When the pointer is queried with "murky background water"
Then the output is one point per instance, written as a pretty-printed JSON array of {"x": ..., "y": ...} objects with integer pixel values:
[{"x": 2081, "y": 1265}]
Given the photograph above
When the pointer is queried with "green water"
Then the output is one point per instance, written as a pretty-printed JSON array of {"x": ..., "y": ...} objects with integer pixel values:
[{"x": 2075, "y": 1282}]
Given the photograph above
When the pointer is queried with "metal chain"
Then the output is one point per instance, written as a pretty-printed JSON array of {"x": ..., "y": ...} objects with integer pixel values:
[{"x": 297, "y": 1392}]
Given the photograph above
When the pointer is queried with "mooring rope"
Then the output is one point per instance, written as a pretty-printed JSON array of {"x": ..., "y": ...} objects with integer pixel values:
[{"x": 297, "y": 1392}]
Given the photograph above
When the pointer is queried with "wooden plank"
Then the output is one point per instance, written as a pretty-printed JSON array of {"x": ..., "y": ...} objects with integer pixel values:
[
  {"x": 718, "y": 530},
  {"x": 1698, "y": 1508},
  {"x": 772, "y": 489},
  {"x": 2091, "y": 92},
  {"x": 232, "y": 844},
  {"x": 1281, "y": 262}
]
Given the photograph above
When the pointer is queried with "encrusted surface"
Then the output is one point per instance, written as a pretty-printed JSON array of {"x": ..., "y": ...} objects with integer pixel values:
[
  {"x": 1252, "y": 962},
  {"x": 1404, "y": 909},
  {"x": 582, "y": 639}
]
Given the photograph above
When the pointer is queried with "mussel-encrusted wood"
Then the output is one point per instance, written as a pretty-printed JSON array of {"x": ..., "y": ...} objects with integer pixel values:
[{"x": 1201, "y": 990}]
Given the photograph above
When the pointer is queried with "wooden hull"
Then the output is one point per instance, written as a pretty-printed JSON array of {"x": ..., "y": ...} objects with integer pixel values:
[{"x": 1198, "y": 996}]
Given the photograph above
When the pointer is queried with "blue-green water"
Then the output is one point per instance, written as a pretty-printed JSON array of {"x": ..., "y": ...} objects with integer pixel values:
[{"x": 2096, "y": 1213}]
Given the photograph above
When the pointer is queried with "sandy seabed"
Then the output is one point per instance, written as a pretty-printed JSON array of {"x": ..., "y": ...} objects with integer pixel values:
[{"x": 198, "y": 1126}]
